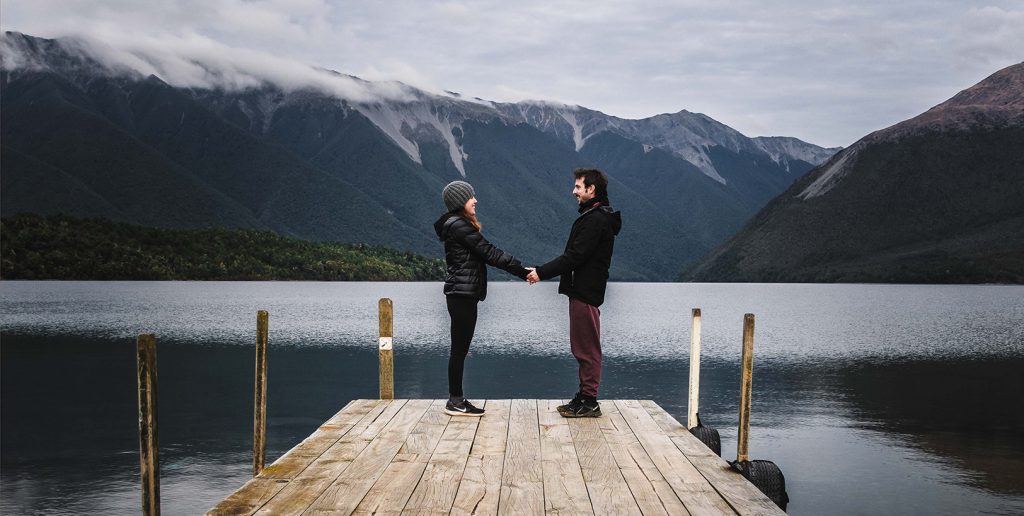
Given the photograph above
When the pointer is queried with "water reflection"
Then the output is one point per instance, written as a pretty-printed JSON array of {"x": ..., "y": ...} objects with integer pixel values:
[
  {"x": 863, "y": 417},
  {"x": 843, "y": 435}
]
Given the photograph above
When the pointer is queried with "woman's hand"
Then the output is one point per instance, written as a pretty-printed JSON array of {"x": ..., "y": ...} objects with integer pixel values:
[{"x": 532, "y": 277}]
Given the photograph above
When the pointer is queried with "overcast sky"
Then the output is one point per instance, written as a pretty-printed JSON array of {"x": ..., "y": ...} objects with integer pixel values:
[{"x": 827, "y": 72}]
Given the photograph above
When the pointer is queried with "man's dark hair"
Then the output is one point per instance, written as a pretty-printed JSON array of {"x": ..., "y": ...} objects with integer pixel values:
[{"x": 593, "y": 177}]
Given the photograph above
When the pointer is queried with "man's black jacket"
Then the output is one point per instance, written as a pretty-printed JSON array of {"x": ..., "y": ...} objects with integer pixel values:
[
  {"x": 588, "y": 254},
  {"x": 467, "y": 254}
]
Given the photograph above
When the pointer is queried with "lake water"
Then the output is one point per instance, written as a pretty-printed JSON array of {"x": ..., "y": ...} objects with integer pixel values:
[{"x": 872, "y": 399}]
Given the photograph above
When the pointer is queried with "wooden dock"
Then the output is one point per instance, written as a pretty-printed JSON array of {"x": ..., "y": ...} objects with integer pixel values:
[{"x": 407, "y": 456}]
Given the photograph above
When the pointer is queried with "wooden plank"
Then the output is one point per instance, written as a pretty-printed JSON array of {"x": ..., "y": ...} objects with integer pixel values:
[
  {"x": 565, "y": 491},
  {"x": 302, "y": 455},
  {"x": 480, "y": 489},
  {"x": 650, "y": 490},
  {"x": 522, "y": 483},
  {"x": 349, "y": 407},
  {"x": 683, "y": 439},
  {"x": 307, "y": 485},
  {"x": 436, "y": 491},
  {"x": 250, "y": 497},
  {"x": 392, "y": 491},
  {"x": 371, "y": 428},
  {"x": 692, "y": 488},
  {"x": 742, "y": 495},
  {"x": 608, "y": 490},
  {"x": 492, "y": 434},
  {"x": 345, "y": 493},
  {"x": 424, "y": 438}
]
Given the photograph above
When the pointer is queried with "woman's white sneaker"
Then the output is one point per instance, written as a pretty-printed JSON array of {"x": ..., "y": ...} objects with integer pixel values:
[{"x": 462, "y": 408}]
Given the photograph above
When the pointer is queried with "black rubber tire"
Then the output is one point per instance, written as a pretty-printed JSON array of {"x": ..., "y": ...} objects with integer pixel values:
[
  {"x": 767, "y": 477},
  {"x": 709, "y": 436}
]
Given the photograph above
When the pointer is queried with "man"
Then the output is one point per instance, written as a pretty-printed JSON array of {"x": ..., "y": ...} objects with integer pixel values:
[{"x": 583, "y": 268}]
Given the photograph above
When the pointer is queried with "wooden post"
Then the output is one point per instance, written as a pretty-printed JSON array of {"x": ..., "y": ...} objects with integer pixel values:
[
  {"x": 259, "y": 430},
  {"x": 691, "y": 416},
  {"x": 149, "y": 460},
  {"x": 384, "y": 345},
  {"x": 746, "y": 387}
]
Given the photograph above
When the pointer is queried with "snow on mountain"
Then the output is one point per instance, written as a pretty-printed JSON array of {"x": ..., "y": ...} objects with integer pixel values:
[
  {"x": 783, "y": 148},
  {"x": 410, "y": 123},
  {"x": 407, "y": 115}
]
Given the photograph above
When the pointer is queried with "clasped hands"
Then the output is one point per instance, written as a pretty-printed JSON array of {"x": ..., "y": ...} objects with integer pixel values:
[{"x": 532, "y": 277}]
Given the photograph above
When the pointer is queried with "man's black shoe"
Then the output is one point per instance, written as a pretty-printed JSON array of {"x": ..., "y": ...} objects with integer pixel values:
[
  {"x": 572, "y": 405},
  {"x": 581, "y": 406},
  {"x": 462, "y": 408}
]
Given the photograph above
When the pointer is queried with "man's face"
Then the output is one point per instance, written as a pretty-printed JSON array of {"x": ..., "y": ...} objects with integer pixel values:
[{"x": 582, "y": 192}]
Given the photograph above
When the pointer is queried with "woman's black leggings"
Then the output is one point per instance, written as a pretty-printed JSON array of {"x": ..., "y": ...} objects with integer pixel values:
[{"x": 462, "y": 310}]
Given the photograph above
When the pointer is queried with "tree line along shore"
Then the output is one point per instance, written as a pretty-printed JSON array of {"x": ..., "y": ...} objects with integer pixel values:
[{"x": 59, "y": 247}]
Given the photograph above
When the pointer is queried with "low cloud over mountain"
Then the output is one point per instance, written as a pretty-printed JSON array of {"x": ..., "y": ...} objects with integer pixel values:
[{"x": 190, "y": 140}]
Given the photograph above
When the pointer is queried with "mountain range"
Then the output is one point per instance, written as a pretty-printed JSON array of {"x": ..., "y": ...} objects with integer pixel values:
[
  {"x": 84, "y": 134},
  {"x": 938, "y": 198}
]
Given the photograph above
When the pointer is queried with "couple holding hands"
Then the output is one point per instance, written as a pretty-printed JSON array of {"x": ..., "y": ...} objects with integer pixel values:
[{"x": 583, "y": 268}]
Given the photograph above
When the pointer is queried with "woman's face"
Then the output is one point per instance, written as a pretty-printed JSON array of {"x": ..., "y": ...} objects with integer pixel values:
[{"x": 470, "y": 206}]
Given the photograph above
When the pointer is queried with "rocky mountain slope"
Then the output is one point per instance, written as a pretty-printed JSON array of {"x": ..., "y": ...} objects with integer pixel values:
[{"x": 937, "y": 198}]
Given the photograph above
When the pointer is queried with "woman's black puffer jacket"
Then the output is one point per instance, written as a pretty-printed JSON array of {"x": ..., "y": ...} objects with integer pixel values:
[{"x": 468, "y": 254}]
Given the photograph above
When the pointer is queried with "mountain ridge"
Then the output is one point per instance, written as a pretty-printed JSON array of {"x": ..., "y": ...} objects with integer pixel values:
[
  {"x": 697, "y": 129},
  {"x": 308, "y": 163},
  {"x": 935, "y": 198}
]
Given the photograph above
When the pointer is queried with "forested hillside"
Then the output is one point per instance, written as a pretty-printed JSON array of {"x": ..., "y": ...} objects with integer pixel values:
[{"x": 66, "y": 248}]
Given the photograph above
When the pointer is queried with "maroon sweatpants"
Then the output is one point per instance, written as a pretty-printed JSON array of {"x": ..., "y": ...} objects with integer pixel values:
[{"x": 585, "y": 342}]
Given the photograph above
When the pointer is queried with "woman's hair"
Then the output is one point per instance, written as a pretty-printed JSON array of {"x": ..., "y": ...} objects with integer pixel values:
[{"x": 471, "y": 218}]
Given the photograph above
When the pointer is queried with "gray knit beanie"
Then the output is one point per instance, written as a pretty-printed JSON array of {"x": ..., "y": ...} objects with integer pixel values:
[{"x": 456, "y": 194}]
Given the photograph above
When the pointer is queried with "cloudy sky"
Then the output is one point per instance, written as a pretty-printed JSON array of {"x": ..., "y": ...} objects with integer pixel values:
[{"x": 825, "y": 71}]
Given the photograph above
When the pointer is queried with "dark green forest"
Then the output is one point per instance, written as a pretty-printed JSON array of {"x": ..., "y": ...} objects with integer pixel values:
[{"x": 59, "y": 247}]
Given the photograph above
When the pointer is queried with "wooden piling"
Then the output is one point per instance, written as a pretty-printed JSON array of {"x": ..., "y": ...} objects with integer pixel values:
[
  {"x": 259, "y": 430},
  {"x": 385, "y": 351},
  {"x": 694, "y": 391},
  {"x": 746, "y": 387},
  {"x": 149, "y": 460}
]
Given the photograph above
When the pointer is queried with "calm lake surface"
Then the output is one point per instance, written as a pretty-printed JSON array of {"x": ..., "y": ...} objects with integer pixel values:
[{"x": 872, "y": 399}]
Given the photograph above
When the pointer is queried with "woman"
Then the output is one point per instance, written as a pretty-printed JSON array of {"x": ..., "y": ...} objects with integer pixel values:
[{"x": 467, "y": 254}]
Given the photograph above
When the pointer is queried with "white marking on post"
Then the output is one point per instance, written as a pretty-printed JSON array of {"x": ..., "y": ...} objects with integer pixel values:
[{"x": 384, "y": 343}]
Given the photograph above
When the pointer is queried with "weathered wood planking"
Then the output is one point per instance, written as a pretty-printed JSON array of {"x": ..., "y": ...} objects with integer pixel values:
[
  {"x": 609, "y": 492},
  {"x": 522, "y": 483},
  {"x": 565, "y": 492},
  {"x": 743, "y": 496},
  {"x": 408, "y": 457},
  {"x": 689, "y": 485},
  {"x": 345, "y": 493},
  {"x": 391, "y": 493},
  {"x": 480, "y": 488},
  {"x": 650, "y": 490}
]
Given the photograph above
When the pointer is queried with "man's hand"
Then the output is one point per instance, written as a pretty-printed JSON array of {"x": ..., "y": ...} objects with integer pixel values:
[{"x": 532, "y": 277}]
